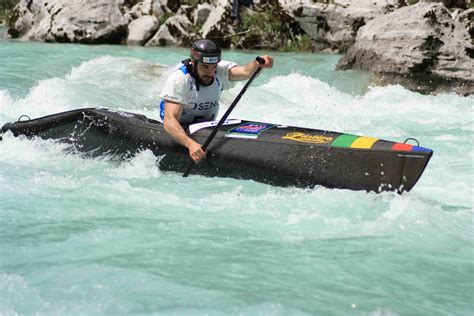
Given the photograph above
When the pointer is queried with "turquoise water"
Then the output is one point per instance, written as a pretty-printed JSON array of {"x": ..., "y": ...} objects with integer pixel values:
[{"x": 96, "y": 236}]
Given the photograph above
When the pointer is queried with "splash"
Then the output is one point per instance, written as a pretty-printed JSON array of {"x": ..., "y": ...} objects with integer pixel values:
[
  {"x": 143, "y": 165},
  {"x": 121, "y": 83},
  {"x": 385, "y": 111}
]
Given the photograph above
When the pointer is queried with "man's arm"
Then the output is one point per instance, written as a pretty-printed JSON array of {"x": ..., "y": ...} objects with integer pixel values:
[
  {"x": 172, "y": 113},
  {"x": 245, "y": 72}
]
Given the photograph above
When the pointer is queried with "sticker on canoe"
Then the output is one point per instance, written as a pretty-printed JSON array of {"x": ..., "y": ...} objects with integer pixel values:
[
  {"x": 196, "y": 127},
  {"x": 307, "y": 138},
  {"x": 248, "y": 130}
]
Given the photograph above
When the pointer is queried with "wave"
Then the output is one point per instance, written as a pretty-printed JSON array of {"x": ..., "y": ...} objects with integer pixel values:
[
  {"x": 121, "y": 83},
  {"x": 391, "y": 112},
  {"x": 386, "y": 111}
]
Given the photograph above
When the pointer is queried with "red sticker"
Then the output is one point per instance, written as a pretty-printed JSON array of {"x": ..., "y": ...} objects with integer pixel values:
[{"x": 402, "y": 147}]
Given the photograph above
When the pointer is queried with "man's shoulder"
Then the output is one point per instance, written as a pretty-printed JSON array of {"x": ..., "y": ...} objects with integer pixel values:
[
  {"x": 225, "y": 64},
  {"x": 223, "y": 68},
  {"x": 178, "y": 74},
  {"x": 176, "y": 86}
]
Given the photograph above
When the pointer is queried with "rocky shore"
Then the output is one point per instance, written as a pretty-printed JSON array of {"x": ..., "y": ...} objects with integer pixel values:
[
  {"x": 420, "y": 47},
  {"x": 426, "y": 47}
]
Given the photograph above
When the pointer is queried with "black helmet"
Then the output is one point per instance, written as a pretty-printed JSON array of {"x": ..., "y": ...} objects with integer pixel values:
[{"x": 205, "y": 51}]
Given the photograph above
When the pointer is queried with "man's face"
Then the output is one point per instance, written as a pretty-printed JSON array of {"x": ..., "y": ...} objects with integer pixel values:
[{"x": 205, "y": 73}]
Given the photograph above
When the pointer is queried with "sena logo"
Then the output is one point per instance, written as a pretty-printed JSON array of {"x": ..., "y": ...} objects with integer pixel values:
[
  {"x": 205, "y": 105},
  {"x": 210, "y": 60}
]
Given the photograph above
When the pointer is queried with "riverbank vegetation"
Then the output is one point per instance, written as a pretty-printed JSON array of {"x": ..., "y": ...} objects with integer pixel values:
[
  {"x": 6, "y": 7},
  {"x": 267, "y": 26}
]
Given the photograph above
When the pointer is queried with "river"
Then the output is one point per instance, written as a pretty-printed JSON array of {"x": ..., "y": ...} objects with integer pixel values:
[{"x": 97, "y": 236}]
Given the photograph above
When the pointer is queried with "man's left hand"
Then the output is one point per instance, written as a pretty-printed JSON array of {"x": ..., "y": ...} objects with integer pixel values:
[{"x": 268, "y": 61}]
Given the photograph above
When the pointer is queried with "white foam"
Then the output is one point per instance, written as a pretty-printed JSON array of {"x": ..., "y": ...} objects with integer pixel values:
[
  {"x": 15, "y": 290},
  {"x": 22, "y": 152},
  {"x": 386, "y": 112},
  {"x": 143, "y": 165},
  {"x": 5, "y": 99},
  {"x": 122, "y": 83}
]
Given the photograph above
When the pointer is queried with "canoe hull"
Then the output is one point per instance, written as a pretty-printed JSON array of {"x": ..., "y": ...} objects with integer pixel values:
[{"x": 277, "y": 155}]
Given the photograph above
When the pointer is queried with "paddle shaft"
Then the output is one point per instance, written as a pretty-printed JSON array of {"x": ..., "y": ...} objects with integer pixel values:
[{"x": 226, "y": 114}]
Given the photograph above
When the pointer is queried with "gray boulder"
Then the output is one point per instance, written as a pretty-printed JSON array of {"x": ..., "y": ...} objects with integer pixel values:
[
  {"x": 202, "y": 13},
  {"x": 193, "y": 22},
  {"x": 86, "y": 21},
  {"x": 144, "y": 8},
  {"x": 134, "y": 12},
  {"x": 172, "y": 5},
  {"x": 467, "y": 19},
  {"x": 188, "y": 11},
  {"x": 218, "y": 25},
  {"x": 333, "y": 25},
  {"x": 451, "y": 3},
  {"x": 157, "y": 9},
  {"x": 420, "y": 47},
  {"x": 173, "y": 32},
  {"x": 142, "y": 30}
]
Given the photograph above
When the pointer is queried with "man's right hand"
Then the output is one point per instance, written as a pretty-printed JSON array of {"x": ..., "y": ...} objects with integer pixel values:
[
  {"x": 172, "y": 127},
  {"x": 196, "y": 152}
]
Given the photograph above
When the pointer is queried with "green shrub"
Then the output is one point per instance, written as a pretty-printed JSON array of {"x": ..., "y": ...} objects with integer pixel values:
[
  {"x": 6, "y": 7},
  {"x": 165, "y": 17},
  {"x": 268, "y": 26}
]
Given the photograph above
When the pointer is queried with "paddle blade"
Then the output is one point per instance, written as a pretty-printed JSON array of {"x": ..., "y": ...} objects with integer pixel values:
[{"x": 188, "y": 169}]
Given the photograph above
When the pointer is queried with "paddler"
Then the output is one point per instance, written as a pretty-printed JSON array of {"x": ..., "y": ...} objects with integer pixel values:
[{"x": 191, "y": 93}]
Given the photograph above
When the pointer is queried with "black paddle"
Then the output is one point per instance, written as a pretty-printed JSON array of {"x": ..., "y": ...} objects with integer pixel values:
[{"x": 261, "y": 61}]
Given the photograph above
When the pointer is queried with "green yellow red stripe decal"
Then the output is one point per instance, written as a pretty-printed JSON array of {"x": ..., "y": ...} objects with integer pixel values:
[
  {"x": 344, "y": 140},
  {"x": 364, "y": 142},
  {"x": 353, "y": 141}
]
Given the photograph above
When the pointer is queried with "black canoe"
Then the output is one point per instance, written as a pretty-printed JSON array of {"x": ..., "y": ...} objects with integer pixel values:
[{"x": 268, "y": 153}]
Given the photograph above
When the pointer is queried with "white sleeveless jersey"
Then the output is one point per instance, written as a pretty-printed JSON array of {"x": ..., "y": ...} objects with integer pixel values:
[{"x": 199, "y": 104}]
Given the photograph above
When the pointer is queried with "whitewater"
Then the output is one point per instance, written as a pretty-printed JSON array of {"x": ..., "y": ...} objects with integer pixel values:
[{"x": 98, "y": 236}]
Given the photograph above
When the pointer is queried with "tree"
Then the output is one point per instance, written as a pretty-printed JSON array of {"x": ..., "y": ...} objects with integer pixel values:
[{"x": 6, "y": 7}]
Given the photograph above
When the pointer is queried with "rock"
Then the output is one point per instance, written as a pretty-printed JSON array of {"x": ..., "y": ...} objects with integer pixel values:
[
  {"x": 217, "y": 26},
  {"x": 173, "y": 5},
  {"x": 145, "y": 8},
  {"x": 289, "y": 3},
  {"x": 157, "y": 9},
  {"x": 202, "y": 13},
  {"x": 333, "y": 25},
  {"x": 21, "y": 21},
  {"x": 467, "y": 19},
  {"x": 129, "y": 3},
  {"x": 126, "y": 6},
  {"x": 87, "y": 21},
  {"x": 162, "y": 38},
  {"x": 142, "y": 30},
  {"x": 172, "y": 32},
  {"x": 419, "y": 46},
  {"x": 139, "y": 9},
  {"x": 186, "y": 10},
  {"x": 462, "y": 4}
]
